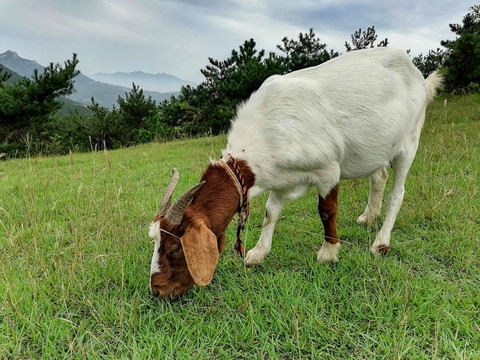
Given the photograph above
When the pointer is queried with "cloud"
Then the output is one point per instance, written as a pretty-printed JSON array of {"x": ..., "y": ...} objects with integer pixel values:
[{"x": 178, "y": 36}]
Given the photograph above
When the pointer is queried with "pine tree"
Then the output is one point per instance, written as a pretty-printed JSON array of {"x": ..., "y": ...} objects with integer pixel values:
[
  {"x": 133, "y": 110},
  {"x": 429, "y": 63},
  {"x": 364, "y": 40},
  {"x": 307, "y": 51},
  {"x": 26, "y": 105},
  {"x": 462, "y": 62},
  {"x": 4, "y": 75}
]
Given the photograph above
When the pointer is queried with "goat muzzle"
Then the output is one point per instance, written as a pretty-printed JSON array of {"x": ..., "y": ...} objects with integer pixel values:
[{"x": 161, "y": 293}]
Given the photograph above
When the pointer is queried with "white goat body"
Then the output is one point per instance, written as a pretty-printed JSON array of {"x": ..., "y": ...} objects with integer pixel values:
[{"x": 348, "y": 118}]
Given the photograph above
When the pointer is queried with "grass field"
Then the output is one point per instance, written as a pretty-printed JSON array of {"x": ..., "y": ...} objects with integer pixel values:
[{"x": 75, "y": 261}]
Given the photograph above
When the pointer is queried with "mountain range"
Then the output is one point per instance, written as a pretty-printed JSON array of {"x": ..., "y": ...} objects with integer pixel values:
[
  {"x": 160, "y": 82},
  {"x": 105, "y": 93}
]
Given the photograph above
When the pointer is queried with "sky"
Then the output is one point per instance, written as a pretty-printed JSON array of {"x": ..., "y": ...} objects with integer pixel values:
[{"x": 178, "y": 36}]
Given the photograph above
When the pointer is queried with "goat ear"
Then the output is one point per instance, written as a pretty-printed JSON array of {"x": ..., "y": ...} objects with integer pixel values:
[
  {"x": 221, "y": 242},
  {"x": 201, "y": 252}
]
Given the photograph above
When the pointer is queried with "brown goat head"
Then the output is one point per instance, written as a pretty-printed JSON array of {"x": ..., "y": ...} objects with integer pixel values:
[{"x": 186, "y": 250}]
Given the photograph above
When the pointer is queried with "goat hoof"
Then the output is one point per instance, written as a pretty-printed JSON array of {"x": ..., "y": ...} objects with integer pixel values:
[
  {"x": 322, "y": 259},
  {"x": 366, "y": 219},
  {"x": 254, "y": 257},
  {"x": 381, "y": 250},
  {"x": 362, "y": 219},
  {"x": 326, "y": 256}
]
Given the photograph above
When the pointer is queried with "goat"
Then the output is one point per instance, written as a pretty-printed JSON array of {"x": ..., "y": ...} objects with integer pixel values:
[{"x": 350, "y": 117}]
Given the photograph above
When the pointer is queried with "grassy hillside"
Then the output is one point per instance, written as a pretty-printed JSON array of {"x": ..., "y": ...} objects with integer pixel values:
[{"x": 75, "y": 261}]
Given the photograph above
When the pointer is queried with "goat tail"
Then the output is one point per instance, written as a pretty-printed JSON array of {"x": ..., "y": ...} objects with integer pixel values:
[{"x": 435, "y": 83}]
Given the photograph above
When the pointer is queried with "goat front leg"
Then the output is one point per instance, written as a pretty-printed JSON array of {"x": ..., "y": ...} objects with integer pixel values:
[
  {"x": 262, "y": 248},
  {"x": 328, "y": 210}
]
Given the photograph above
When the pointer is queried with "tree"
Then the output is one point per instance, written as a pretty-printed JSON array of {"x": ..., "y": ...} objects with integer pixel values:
[
  {"x": 305, "y": 52},
  {"x": 236, "y": 77},
  {"x": 26, "y": 105},
  {"x": 4, "y": 75},
  {"x": 103, "y": 128},
  {"x": 430, "y": 62},
  {"x": 462, "y": 61},
  {"x": 249, "y": 71},
  {"x": 217, "y": 72},
  {"x": 133, "y": 110},
  {"x": 364, "y": 40},
  {"x": 227, "y": 82},
  {"x": 210, "y": 106}
]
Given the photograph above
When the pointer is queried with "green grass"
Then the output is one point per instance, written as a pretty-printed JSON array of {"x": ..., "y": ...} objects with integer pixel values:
[{"x": 75, "y": 261}]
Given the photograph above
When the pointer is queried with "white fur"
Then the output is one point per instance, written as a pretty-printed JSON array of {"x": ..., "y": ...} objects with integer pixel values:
[
  {"x": 154, "y": 233},
  {"x": 328, "y": 252},
  {"x": 347, "y": 118},
  {"x": 264, "y": 244},
  {"x": 378, "y": 180}
]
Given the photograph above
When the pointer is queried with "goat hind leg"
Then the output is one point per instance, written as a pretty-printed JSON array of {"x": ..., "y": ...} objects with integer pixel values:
[
  {"x": 377, "y": 186},
  {"x": 262, "y": 248},
  {"x": 402, "y": 164}
]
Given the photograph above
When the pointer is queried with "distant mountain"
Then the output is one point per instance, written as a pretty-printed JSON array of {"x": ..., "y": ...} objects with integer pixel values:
[
  {"x": 105, "y": 94},
  {"x": 160, "y": 82},
  {"x": 14, "y": 77},
  {"x": 21, "y": 66}
]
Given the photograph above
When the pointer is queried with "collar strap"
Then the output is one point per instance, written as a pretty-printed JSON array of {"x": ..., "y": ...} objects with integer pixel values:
[
  {"x": 235, "y": 180},
  {"x": 244, "y": 204}
]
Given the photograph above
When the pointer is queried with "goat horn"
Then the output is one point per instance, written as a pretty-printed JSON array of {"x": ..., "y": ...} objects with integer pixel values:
[
  {"x": 166, "y": 201},
  {"x": 175, "y": 213}
]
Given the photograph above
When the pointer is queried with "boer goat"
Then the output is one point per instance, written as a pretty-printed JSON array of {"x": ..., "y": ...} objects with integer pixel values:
[{"x": 350, "y": 117}]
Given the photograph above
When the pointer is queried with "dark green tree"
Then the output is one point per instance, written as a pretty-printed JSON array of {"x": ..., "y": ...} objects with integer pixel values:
[
  {"x": 178, "y": 118},
  {"x": 236, "y": 77},
  {"x": 217, "y": 72},
  {"x": 462, "y": 60},
  {"x": 307, "y": 51},
  {"x": 364, "y": 40},
  {"x": 249, "y": 72},
  {"x": 4, "y": 75},
  {"x": 26, "y": 105},
  {"x": 227, "y": 83},
  {"x": 103, "y": 128},
  {"x": 64, "y": 133},
  {"x": 209, "y": 108},
  {"x": 133, "y": 109},
  {"x": 430, "y": 62}
]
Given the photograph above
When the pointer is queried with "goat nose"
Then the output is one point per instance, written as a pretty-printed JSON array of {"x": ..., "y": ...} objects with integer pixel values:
[{"x": 155, "y": 292}]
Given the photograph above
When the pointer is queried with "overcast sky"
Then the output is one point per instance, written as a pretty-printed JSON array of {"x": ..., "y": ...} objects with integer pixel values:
[{"x": 178, "y": 36}]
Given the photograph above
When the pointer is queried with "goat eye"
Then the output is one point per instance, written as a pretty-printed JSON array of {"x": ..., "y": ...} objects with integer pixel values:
[{"x": 176, "y": 251}]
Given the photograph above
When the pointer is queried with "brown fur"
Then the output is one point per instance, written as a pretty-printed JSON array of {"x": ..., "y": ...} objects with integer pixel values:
[
  {"x": 328, "y": 210},
  {"x": 213, "y": 206}
]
